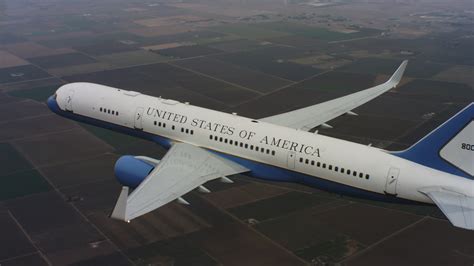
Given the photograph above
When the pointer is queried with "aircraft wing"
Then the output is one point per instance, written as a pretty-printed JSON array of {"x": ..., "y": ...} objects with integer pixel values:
[
  {"x": 458, "y": 208},
  {"x": 183, "y": 168},
  {"x": 315, "y": 115}
]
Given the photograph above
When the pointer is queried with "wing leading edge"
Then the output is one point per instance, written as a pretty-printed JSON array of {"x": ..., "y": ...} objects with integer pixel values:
[
  {"x": 315, "y": 115},
  {"x": 183, "y": 168}
]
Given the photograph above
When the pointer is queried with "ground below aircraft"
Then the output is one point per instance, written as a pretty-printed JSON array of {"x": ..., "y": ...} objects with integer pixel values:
[{"x": 205, "y": 145}]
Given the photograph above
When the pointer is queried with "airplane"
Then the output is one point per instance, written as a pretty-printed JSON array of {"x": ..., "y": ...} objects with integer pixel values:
[{"x": 205, "y": 145}]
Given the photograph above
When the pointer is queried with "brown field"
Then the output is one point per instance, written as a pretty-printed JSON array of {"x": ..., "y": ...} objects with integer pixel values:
[
  {"x": 462, "y": 74},
  {"x": 79, "y": 69},
  {"x": 159, "y": 31},
  {"x": 169, "y": 21},
  {"x": 43, "y": 150},
  {"x": 9, "y": 60},
  {"x": 31, "y": 49},
  {"x": 240, "y": 195}
]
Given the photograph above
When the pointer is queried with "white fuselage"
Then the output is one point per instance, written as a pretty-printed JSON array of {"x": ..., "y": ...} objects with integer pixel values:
[{"x": 355, "y": 165}]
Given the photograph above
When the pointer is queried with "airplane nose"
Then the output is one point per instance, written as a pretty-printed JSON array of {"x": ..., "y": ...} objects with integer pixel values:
[{"x": 52, "y": 103}]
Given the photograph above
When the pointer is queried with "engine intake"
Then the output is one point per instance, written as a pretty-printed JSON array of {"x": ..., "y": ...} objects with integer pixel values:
[{"x": 130, "y": 171}]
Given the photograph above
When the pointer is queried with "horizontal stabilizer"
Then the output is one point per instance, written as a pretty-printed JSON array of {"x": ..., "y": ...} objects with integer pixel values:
[{"x": 458, "y": 208}]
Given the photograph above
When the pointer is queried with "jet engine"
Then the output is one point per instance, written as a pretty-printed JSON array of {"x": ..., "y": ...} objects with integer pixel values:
[{"x": 130, "y": 170}]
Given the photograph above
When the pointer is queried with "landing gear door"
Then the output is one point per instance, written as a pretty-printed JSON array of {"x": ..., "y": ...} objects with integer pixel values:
[
  {"x": 291, "y": 160},
  {"x": 392, "y": 180},
  {"x": 69, "y": 96},
  {"x": 138, "y": 118}
]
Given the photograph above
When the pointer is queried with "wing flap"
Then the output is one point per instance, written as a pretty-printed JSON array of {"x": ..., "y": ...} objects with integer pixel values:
[
  {"x": 183, "y": 168},
  {"x": 458, "y": 208},
  {"x": 315, "y": 115}
]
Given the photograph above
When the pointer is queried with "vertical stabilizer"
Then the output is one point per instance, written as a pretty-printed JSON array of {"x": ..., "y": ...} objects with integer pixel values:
[{"x": 448, "y": 148}]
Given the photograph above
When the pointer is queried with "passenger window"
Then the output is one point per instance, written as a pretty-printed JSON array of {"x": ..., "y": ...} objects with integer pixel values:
[
  {"x": 342, "y": 170},
  {"x": 256, "y": 148},
  {"x": 301, "y": 160},
  {"x": 306, "y": 161},
  {"x": 182, "y": 129},
  {"x": 348, "y": 172},
  {"x": 187, "y": 132},
  {"x": 100, "y": 109},
  {"x": 192, "y": 132},
  {"x": 318, "y": 164},
  {"x": 361, "y": 175},
  {"x": 268, "y": 151},
  {"x": 172, "y": 127},
  {"x": 108, "y": 111},
  {"x": 116, "y": 113},
  {"x": 241, "y": 144},
  {"x": 113, "y": 112},
  {"x": 220, "y": 139},
  {"x": 312, "y": 162},
  {"x": 367, "y": 176},
  {"x": 251, "y": 147},
  {"x": 246, "y": 146},
  {"x": 164, "y": 125},
  {"x": 324, "y": 165},
  {"x": 231, "y": 142},
  {"x": 273, "y": 152},
  {"x": 336, "y": 168},
  {"x": 154, "y": 123},
  {"x": 354, "y": 173},
  {"x": 210, "y": 137},
  {"x": 330, "y": 167}
]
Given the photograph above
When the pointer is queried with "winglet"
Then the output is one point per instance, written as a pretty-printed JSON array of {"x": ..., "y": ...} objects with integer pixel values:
[
  {"x": 120, "y": 210},
  {"x": 397, "y": 76}
]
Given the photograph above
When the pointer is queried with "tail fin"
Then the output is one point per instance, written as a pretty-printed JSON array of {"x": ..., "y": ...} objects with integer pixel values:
[{"x": 448, "y": 148}]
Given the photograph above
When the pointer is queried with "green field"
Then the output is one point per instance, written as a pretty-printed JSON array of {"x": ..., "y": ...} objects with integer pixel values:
[
  {"x": 39, "y": 94},
  {"x": 132, "y": 58},
  {"x": 117, "y": 140},
  {"x": 11, "y": 160},
  {"x": 18, "y": 179},
  {"x": 22, "y": 184},
  {"x": 249, "y": 31},
  {"x": 315, "y": 32}
]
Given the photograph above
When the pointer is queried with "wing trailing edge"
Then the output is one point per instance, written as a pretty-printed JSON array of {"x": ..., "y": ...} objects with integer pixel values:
[{"x": 319, "y": 114}]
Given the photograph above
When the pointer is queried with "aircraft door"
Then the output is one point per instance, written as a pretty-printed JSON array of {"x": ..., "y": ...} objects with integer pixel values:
[
  {"x": 291, "y": 160},
  {"x": 392, "y": 179},
  {"x": 69, "y": 96},
  {"x": 138, "y": 118}
]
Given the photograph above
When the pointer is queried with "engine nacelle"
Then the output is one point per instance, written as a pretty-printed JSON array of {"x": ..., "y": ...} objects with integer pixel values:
[{"x": 130, "y": 171}]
